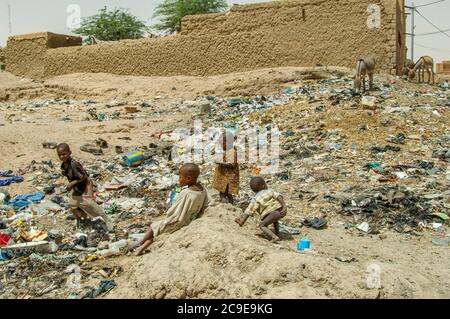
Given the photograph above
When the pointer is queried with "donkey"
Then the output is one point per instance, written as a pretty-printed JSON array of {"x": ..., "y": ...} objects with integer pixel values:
[
  {"x": 425, "y": 63},
  {"x": 364, "y": 66}
]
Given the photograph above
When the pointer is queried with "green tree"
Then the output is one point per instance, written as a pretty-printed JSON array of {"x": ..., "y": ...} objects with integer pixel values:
[
  {"x": 171, "y": 12},
  {"x": 113, "y": 25}
]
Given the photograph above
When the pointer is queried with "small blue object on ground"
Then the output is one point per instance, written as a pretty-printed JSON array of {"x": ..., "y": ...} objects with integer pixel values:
[
  {"x": 304, "y": 244},
  {"x": 4, "y": 256}
]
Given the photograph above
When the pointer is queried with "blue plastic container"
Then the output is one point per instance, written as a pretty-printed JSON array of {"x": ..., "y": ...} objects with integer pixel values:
[
  {"x": 304, "y": 244},
  {"x": 134, "y": 158}
]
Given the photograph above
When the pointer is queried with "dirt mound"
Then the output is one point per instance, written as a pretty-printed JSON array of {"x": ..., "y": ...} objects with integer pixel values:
[
  {"x": 14, "y": 88},
  {"x": 214, "y": 258}
]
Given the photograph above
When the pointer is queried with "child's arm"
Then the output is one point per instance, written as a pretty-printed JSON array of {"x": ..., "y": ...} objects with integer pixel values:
[
  {"x": 89, "y": 188},
  {"x": 81, "y": 176},
  {"x": 73, "y": 183},
  {"x": 283, "y": 204},
  {"x": 245, "y": 215},
  {"x": 242, "y": 219},
  {"x": 76, "y": 182}
]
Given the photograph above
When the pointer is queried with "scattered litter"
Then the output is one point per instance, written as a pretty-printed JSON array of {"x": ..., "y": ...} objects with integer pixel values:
[
  {"x": 368, "y": 101},
  {"x": 49, "y": 145},
  {"x": 304, "y": 244},
  {"x": 316, "y": 223},
  {"x": 283, "y": 228},
  {"x": 441, "y": 241},
  {"x": 88, "y": 148},
  {"x": 364, "y": 227},
  {"x": 345, "y": 259},
  {"x": 24, "y": 200},
  {"x": 401, "y": 175},
  {"x": 441, "y": 216},
  {"x": 105, "y": 286},
  {"x": 10, "y": 179},
  {"x": 134, "y": 158},
  {"x": 436, "y": 225}
]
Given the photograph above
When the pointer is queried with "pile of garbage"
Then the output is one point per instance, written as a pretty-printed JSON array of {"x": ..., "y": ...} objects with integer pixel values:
[
  {"x": 381, "y": 159},
  {"x": 394, "y": 207}
]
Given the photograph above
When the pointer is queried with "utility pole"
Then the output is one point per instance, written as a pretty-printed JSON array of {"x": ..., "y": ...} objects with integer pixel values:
[
  {"x": 413, "y": 9},
  {"x": 412, "y": 31},
  {"x": 9, "y": 19}
]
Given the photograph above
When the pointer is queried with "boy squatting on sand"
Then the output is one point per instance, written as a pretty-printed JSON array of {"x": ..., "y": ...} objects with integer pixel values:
[
  {"x": 268, "y": 204},
  {"x": 189, "y": 204},
  {"x": 81, "y": 203}
]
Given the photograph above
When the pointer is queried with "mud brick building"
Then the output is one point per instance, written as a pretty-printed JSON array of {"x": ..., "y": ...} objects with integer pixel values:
[
  {"x": 443, "y": 68},
  {"x": 248, "y": 37}
]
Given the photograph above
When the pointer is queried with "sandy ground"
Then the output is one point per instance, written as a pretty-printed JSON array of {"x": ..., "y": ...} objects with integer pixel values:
[
  {"x": 212, "y": 258},
  {"x": 102, "y": 86}
]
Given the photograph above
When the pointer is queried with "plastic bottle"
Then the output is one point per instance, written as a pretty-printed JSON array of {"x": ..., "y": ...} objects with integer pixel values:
[
  {"x": 119, "y": 244},
  {"x": 114, "y": 251}
]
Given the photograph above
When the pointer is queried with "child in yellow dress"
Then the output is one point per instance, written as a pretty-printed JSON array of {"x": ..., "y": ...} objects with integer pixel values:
[{"x": 226, "y": 175}]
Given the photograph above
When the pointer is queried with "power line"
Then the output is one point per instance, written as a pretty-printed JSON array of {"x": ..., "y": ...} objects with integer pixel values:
[
  {"x": 430, "y": 48},
  {"x": 429, "y": 33},
  {"x": 437, "y": 28},
  {"x": 413, "y": 9},
  {"x": 428, "y": 4}
]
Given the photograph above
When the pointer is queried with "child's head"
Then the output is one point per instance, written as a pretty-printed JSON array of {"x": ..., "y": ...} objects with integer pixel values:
[
  {"x": 64, "y": 152},
  {"x": 188, "y": 174},
  {"x": 226, "y": 140},
  {"x": 257, "y": 184}
]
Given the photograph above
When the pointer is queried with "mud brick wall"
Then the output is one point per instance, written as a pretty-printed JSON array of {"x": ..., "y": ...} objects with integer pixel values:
[
  {"x": 2, "y": 58},
  {"x": 25, "y": 53},
  {"x": 273, "y": 34},
  {"x": 443, "y": 67}
]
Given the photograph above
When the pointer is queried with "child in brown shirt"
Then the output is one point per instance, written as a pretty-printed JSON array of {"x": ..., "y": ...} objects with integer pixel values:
[{"x": 81, "y": 203}]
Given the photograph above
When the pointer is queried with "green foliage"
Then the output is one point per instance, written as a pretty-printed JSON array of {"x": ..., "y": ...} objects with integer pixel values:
[
  {"x": 113, "y": 25},
  {"x": 172, "y": 11}
]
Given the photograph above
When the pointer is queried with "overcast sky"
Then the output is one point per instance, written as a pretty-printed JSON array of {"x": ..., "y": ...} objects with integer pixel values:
[{"x": 29, "y": 16}]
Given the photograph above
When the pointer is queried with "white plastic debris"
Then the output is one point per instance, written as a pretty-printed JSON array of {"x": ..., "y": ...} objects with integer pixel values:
[
  {"x": 436, "y": 225},
  {"x": 436, "y": 113},
  {"x": 363, "y": 227},
  {"x": 368, "y": 100},
  {"x": 401, "y": 175}
]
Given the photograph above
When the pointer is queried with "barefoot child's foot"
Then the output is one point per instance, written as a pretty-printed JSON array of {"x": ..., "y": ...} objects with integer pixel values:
[
  {"x": 143, "y": 247},
  {"x": 275, "y": 239},
  {"x": 139, "y": 251}
]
